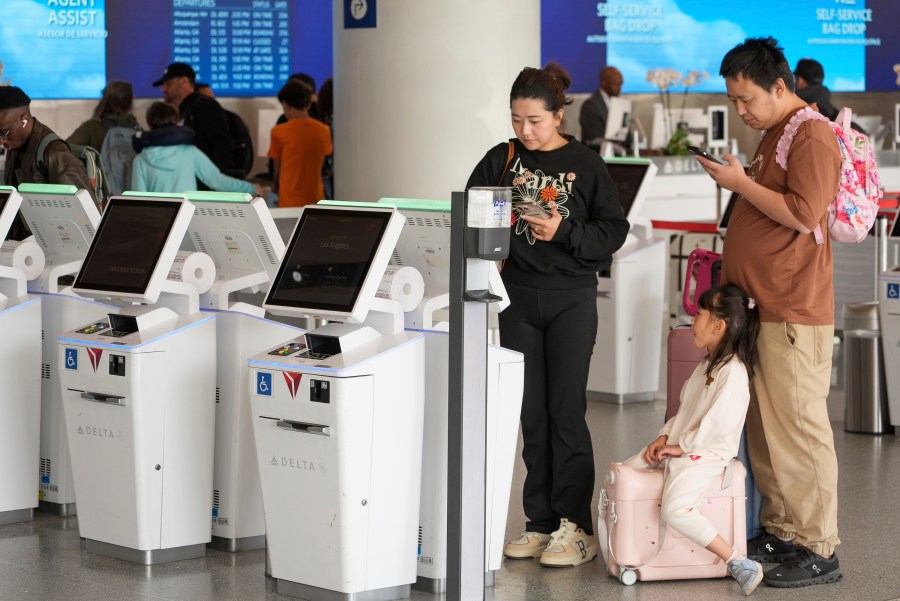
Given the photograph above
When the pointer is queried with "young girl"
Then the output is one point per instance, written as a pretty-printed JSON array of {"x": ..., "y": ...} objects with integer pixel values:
[{"x": 700, "y": 441}]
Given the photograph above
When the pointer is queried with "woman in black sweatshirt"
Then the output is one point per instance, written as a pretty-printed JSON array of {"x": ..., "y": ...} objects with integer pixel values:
[{"x": 551, "y": 279}]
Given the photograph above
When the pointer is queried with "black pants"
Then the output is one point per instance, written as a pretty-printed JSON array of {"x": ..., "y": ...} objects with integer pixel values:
[{"x": 555, "y": 329}]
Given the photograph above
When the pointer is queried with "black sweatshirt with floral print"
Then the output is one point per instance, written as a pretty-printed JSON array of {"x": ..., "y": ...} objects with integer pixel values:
[{"x": 593, "y": 226}]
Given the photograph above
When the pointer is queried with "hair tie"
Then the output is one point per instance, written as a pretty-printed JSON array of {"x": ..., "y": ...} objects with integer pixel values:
[{"x": 751, "y": 303}]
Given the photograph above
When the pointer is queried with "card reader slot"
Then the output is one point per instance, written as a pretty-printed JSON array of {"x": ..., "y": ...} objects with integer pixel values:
[
  {"x": 100, "y": 397},
  {"x": 303, "y": 427}
]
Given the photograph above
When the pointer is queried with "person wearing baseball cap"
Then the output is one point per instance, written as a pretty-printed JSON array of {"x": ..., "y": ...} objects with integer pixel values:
[
  {"x": 809, "y": 76},
  {"x": 202, "y": 114},
  {"x": 176, "y": 70}
]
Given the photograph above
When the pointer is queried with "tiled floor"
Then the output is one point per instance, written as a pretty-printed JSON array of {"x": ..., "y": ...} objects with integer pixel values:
[{"x": 42, "y": 560}]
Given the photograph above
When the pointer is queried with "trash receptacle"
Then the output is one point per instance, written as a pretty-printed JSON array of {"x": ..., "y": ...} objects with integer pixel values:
[{"x": 865, "y": 387}]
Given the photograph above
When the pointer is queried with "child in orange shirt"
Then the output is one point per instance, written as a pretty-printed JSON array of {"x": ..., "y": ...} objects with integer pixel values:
[{"x": 298, "y": 149}]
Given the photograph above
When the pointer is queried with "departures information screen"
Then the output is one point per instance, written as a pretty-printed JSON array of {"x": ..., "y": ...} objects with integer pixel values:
[{"x": 236, "y": 46}]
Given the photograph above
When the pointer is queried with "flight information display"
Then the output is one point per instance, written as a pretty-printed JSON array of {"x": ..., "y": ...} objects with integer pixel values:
[
  {"x": 59, "y": 49},
  {"x": 237, "y": 47}
]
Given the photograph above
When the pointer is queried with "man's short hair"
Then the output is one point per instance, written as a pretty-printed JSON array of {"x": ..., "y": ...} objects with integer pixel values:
[
  {"x": 761, "y": 60},
  {"x": 295, "y": 94},
  {"x": 810, "y": 70},
  {"x": 305, "y": 78},
  {"x": 161, "y": 114},
  {"x": 12, "y": 97}
]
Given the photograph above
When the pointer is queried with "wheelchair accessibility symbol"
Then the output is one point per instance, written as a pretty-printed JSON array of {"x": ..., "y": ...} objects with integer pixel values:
[
  {"x": 893, "y": 290},
  {"x": 263, "y": 383},
  {"x": 72, "y": 359}
]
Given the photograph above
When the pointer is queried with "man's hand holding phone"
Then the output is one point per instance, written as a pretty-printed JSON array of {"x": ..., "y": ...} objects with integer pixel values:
[
  {"x": 697, "y": 151},
  {"x": 727, "y": 171}
]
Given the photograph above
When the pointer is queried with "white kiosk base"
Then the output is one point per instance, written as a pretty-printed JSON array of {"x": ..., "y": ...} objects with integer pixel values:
[
  {"x": 630, "y": 308},
  {"x": 140, "y": 414},
  {"x": 238, "y": 523},
  {"x": 339, "y": 442},
  {"x": 505, "y": 381},
  {"x": 60, "y": 313},
  {"x": 20, "y": 407}
]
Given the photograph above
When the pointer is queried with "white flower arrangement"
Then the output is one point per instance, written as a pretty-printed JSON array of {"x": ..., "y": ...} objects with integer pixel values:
[{"x": 665, "y": 80}]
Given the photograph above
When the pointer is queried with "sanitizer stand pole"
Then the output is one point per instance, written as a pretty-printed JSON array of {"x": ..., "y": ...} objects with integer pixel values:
[{"x": 466, "y": 437}]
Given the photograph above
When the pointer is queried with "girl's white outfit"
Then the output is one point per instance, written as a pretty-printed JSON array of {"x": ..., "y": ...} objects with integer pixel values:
[{"x": 708, "y": 429}]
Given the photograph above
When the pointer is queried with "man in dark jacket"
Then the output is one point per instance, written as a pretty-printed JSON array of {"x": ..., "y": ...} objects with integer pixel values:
[
  {"x": 202, "y": 114},
  {"x": 21, "y": 133},
  {"x": 810, "y": 75}
]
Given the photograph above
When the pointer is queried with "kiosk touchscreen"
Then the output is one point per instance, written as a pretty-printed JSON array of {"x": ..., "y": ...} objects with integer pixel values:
[
  {"x": 63, "y": 221},
  {"x": 337, "y": 415},
  {"x": 238, "y": 233},
  {"x": 425, "y": 245},
  {"x": 633, "y": 179},
  {"x": 20, "y": 403},
  {"x": 138, "y": 391},
  {"x": 625, "y": 361}
]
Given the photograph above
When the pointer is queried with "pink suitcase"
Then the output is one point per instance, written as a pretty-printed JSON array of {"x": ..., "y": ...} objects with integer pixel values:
[
  {"x": 683, "y": 358},
  {"x": 702, "y": 273},
  {"x": 629, "y": 528}
]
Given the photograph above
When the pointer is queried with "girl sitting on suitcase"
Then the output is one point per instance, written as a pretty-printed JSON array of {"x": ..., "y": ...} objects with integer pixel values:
[{"x": 704, "y": 436}]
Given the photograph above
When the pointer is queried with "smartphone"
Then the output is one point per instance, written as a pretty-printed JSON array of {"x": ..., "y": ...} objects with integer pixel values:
[
  {"x": 702, "y": 153},
  {"x": 532, "y": 209}
]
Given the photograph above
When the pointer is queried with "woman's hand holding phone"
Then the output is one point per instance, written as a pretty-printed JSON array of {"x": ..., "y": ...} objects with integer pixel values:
[{"x": 544, "y": 225}]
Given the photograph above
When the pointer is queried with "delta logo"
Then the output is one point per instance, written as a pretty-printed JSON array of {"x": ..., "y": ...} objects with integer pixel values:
[
  {"x": 94, "y": 355},
  {"x": 292, "y": 379}
]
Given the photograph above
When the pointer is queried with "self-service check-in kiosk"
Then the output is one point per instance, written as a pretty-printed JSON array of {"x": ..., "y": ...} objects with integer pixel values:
[
  {"x": 630, "y": 298},
  {"x": 425, "y": 246},
  {"x": 63, "y": 221},
  {"x": 20, "y": 362},
  {"x": 337, "y": 415},
  {"x": 239, "y": 234},
  {"x": 138, "y": 391}
]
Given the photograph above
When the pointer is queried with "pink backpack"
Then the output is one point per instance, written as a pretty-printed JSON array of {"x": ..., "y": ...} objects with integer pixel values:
[{"x": 855, "y": 206}]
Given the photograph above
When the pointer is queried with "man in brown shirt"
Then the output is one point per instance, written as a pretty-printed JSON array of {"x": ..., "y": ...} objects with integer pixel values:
[{"x": 771, "y": 252}]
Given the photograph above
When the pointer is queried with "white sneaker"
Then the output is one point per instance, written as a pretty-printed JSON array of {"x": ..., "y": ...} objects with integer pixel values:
[
  {"x": 569, "y": 546},
  {"x": 530, "y": 544}
]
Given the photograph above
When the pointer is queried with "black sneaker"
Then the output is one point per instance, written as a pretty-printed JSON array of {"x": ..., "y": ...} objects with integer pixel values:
[
  {"x": 768, "y": 548},
  {"x": 806, "y": 569}
]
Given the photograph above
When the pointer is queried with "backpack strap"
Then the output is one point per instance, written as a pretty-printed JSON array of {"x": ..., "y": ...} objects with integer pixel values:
[
  {"x": 787, "y": 138},
  {"x": 790, "y": 130},
  {"x": 509, "y": 158},
  {"x": 42, "y": 148},
  {"x": 845, "y": 118}
]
